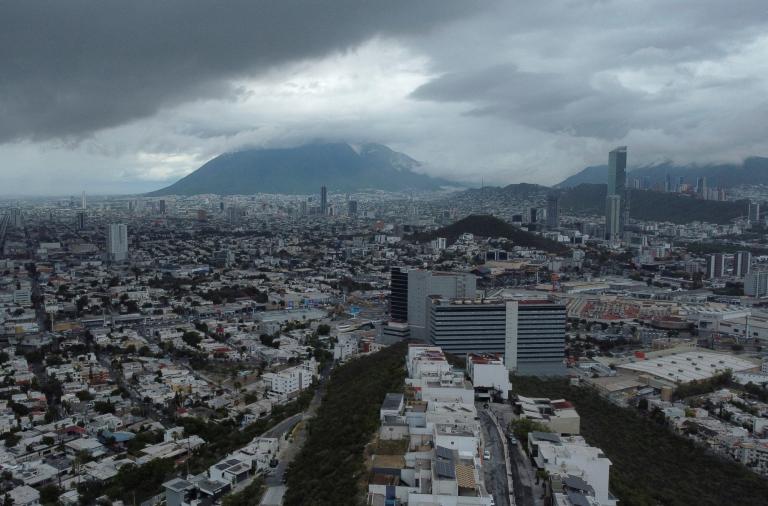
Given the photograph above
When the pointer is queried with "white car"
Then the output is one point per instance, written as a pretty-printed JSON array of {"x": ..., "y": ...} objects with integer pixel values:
[
  {"x": 493, "y": 502},
  {"x": 487, "y": 455}
]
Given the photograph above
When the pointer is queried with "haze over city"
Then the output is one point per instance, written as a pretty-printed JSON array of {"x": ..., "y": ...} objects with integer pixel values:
[
  {"x": 383, "y": 253},
  {"x": 122, "y": 98}
]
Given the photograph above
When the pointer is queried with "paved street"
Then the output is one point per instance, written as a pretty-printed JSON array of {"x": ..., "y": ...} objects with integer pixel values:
[
  {"x": 527, "y": 493},
  {"x": 495, "y": 472}
]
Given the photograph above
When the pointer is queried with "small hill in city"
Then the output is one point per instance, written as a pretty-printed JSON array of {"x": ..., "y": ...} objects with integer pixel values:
[
  {"x": 485, "y": 225},
  {"x": 304, "y": 169},
  {"x": 652, "y": 205}
]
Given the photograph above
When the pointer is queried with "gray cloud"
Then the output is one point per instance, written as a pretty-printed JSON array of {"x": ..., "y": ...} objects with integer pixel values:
[
  {"x": 102, "y": 94},
  {"x": 69, "y": 68}
]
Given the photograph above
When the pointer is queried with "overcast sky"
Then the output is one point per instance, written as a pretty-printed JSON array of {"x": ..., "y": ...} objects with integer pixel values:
[{"x": 127, "y": 96}]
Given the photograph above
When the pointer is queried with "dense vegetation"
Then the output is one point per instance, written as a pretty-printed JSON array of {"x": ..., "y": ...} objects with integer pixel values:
[
  {"x": 653, "y": 205},
  {"x": 690, "y": 389},
  {"x": 484, "y": 225},
  {"x": 651, "y": 464},
  {"x": 249, "y": 496},
  {"x": 330, "y": 465}
]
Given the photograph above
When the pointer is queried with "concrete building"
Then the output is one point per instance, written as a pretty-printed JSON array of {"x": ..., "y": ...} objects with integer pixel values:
[
  {"x": 291, "y": 381},
  {"x": 616, "y": 199},
  {"x": 323, "y": 200},
  {"x": 756, "y": 284},
  {"x": 742, "y": 263},
  {"x": 579, "y": 474},
  {"x": 117, "y": 242},
  {"x": 612, "y": 217},
  {"x": 488, "y": 373},
  {"x": 424, "y": 284},
  {"x": 715, "y": 266},
  {"x": 530, "y": 332},
  {"x": 553, "y": 211}
]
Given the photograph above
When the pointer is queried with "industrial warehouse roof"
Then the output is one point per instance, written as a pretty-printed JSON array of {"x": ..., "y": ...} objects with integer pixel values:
[{"x": 689, "y": 366}]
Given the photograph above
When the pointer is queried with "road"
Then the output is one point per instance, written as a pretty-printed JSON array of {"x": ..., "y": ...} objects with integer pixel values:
[
  {"x": 523, "y": 480},
  {"x": 495, "y": 470},
  {"x": 286, "y": 425},
  {"x": 292, "y": 449}
]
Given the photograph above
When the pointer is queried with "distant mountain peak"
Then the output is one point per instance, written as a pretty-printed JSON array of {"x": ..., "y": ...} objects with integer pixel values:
[{"x": 303, "y": 169}]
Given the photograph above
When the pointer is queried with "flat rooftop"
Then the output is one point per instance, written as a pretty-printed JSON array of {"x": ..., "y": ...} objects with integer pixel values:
[{"x": 689, "y": 366}]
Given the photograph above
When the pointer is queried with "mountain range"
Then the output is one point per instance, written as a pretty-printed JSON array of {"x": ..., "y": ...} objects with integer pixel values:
[
  {"x": 304, "y": 169},
  {"x": 753, "y": 170}
]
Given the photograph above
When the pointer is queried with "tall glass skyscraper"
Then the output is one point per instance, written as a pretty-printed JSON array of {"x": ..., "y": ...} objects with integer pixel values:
[
  {"x": 615, "y": 202},
  {"x": 323, "y": 200}
]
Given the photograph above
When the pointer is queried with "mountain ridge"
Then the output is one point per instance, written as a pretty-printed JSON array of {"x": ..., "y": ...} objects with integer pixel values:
[
  {"x": 753, "y": 170},
  {"x": 303, "y": 170}
]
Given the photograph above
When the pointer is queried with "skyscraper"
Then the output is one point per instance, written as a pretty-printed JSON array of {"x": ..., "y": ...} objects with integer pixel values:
[
  {"x": 81, "y": 220},
  {"x": 323, "y": 200},
  {"x": 117, "y": 242},
  {"x": 553, "y": 211},
  {"x": 83, "y": 201},
  {"x": 352, "y": 207},
  {"x": 742, "y": 263},
  {"x": 715, "y": 265},
  {"x": 756, "y": 284},
  {"x": 612, "y": 217},
  {"x": 398, "y": 299},
  {"x": 617, "y": 189},
  {"x": 753, "y": 212},
  {"x": 424, "y": 284},
  {"x": 617, "y": 171}
]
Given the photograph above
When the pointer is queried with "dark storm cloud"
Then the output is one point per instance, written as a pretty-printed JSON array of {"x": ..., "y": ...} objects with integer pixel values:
[{"x": 71, "y": 67}]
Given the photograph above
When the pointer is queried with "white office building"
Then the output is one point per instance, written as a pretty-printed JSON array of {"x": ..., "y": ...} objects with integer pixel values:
[{"x": 117, "y": 242}]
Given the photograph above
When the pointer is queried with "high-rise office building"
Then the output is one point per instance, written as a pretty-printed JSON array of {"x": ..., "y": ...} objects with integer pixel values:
[
  {"x": 536, "y": 337},
  {"x": 753, "y": 212},
  {"x": 161, "y": 206},
  {"x": 617, "y": 171},
  {"x": 613, "y": 217},
  {"x": 423, "y": 284},
  {"x": 303, "y": 208},
  {"x": 117, "y": 242},
  {"x": 352, "y": 207},
  {"x": 533, "y": 215},
  {"x": 701, "y": 186},
  {"x": 235, "y": 215},
  {"x": 756, "y": 284},
  {"x": 617, "y": 189},
  {"x": 81, "y": 220},
  {"x": 323, "y": 200},
  {"x": 398, "y": 298},
  {"x": 529, "y": 332},
  {"x": 715, "y": 266},
  {"x": 83, "y": 203},
  {"x": 553, "y": 211},
  {"x": 742, "y": 263},
  {"x": 668, "y": 184},
  {"x": 14, "y": 217}
]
